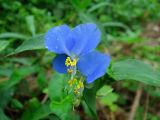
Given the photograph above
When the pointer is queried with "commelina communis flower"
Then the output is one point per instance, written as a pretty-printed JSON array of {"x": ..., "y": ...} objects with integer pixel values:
[{"x": 75, "y": 49}]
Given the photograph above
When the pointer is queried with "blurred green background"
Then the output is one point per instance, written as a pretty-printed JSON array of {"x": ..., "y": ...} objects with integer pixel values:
[{"x": 130, "y": 29}]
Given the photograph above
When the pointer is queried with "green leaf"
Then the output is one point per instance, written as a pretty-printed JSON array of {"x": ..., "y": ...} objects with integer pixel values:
[
  {"x": 86, "y": 109},
  {"x": 3, "y": 116},
  {"x": 22, "y": 60},
  {"x": 90, "y": 99},
  {"x": 41, "y": 79},
  {"x": 17, "y": 76},
  {"x": 109, "y": 100},
  {"x": 16, "y": 104},
  {"x": 56, "y": 86},
  {"x": 79, "y": 4},
  {"x": 5, "y": 71},
  {"x": 116, "y": 24},
  {"x": 62, "y": 108},
  {"x": 98, "y": 6},
  {"x": 105, "y": 90},
  {"x": 13, "y": 35},
  {"x": 132, "y": 69},
  {"x": 7, "y": 87},
  {"x": 61, "y": 103},
  {"x": 6, "y": 95},
  {"x": 42, "y": 112},
  {"x": 35, "y": 110},
  {"x": 3, "y": 44},
  {"x": 30, "y": 23},
  {"x": 35, "y": 43},
  {"x": 130, "y": 36},
  {"x": 89, "y": 96}
]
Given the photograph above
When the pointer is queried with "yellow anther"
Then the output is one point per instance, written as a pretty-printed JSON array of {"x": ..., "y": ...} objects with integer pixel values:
[
  {"x": 80, "y": 85},
  {"x": 70, "y": 82},
  {"x": 76, "y": 91},
  {"x": 74, "y": 62},
  {"x": 70, "y": 71},
  {"x": 70, "y": 62},
  {"x": 74, "y": 80}
]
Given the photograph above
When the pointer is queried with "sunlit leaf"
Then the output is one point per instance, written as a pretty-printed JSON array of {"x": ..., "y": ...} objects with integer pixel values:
[
  {"x": 56, "y": 86},
  {"x": 3, "y": 44},
  {"x": 13, "y": 35},
  {"x": 62, "y": 108},
  {"x": 109, "y": 100},
  {"x": 16, "y": 104},
  {"x": 134, "y": 70},
  {"x": 99, "y": 5},
  {"x": 30, "y": 23},
  {"x": 35, "y": 43},
  {"x": 105, "y": 90}
]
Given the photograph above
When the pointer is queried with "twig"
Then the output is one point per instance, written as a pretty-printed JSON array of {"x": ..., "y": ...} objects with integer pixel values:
[
  {"x": 103, "y": 110},
  {"x": 44, "y": 99},
  {"x": 112, "y": 116},
  {"x": 146, "y": 107},
  {"x": 135, "y": 103}
]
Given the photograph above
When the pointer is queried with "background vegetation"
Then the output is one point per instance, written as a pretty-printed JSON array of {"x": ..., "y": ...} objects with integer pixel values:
[{"x": 130, "y": 29}]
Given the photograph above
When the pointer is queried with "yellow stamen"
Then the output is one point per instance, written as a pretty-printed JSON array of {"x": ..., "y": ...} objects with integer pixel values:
[
  {"x": 74, "y": 62},
  {"x": 70, "y": 71},
  {"x": 70, "y": 82},
  {"x": 70, "y": 62},
  {"x": 76, "y": 91},
  {"x": 74, "y": 80},
  {"x": 80, "y": 85}
]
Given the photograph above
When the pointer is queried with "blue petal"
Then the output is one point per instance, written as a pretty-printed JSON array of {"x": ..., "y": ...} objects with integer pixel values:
[
  {"x": 59, "y": 63},
  {"x": 93, "y": 65},
  {"x": 86, "y": 38},
  {"x": 58, "y": 39}
]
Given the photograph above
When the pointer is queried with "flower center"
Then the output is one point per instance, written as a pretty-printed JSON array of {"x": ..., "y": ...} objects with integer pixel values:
[{"x": 70, "y": 64}]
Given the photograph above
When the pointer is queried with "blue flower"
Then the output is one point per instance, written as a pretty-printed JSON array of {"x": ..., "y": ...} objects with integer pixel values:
[{"x": 75, "y": 49}]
